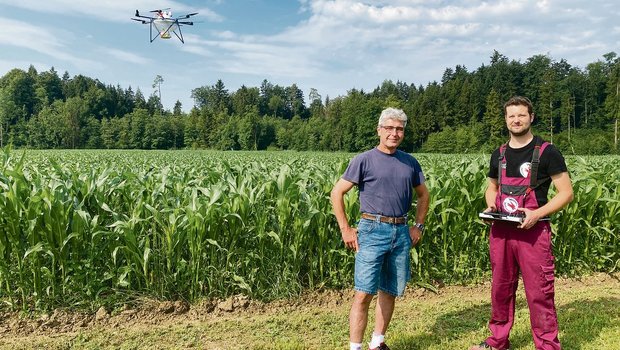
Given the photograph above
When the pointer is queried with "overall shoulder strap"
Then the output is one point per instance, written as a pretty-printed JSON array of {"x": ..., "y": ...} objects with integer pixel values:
[
  {"x": 502, "y": 152},
  {"x": 536, "y": 161}
]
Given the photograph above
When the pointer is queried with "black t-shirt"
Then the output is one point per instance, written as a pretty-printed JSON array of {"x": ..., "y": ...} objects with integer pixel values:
[{"x": 517, "y": 159}]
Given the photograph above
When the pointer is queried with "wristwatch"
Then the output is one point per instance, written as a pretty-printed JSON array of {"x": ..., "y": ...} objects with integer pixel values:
[{"x": 419, "y": 226}]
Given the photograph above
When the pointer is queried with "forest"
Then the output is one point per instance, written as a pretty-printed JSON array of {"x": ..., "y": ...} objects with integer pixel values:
[{"x": 576, "y": 108}]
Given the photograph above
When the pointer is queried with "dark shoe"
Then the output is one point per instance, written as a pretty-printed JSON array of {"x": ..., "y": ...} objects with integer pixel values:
[
  {"x": 383, "y": 346},
  {"x": 484, "y": 346}
]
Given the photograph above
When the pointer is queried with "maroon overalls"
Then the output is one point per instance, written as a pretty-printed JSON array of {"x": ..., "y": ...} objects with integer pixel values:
[{"x": 512, "y": 250}]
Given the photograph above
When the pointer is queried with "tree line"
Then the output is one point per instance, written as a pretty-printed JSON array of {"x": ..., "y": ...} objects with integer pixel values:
[{"x": 576, "y": 108}]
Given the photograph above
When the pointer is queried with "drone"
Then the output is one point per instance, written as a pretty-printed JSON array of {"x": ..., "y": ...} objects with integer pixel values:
[{"x": 164, "y": 23}]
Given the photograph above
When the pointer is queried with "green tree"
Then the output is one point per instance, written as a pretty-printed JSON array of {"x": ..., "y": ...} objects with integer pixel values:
[
  {"x": 276, "y": 103},
  {"x": 139, "y": 101},
  {"x": 594, "y": 94},
  {"x": 123, "y": 128},
  {"x": 157, "y": 84},
  {"x": 214, "y": 99},
  {"x": 567, "y": 112},
  {"x": 109, "y": 133},
  {"x": 92, "y": 133},
  {"x": 295, "y": 102},
  {"x": 96, "y": 102},
  {"x": 316, "y": 104},
  {"x": 48, "y": 88},
  {"x": 352, "y": 112},
  {"x": 195, "y": 130},
  {"x": 225, "y": 136},
  {"x": 154, "y": 106},
  {"x": 534, "y": 69},
  {"x": 245, "y": 100},
  {"x": 49, "y": 129},
  {"x": 178, "y": 108},
  {"x": 291, "y": 135},
  {"x": 138, "y": 124},
  {"x": 160, "y": 134},
  {"x": 493, "y": 118},
  {"x": 546, "y": 108},
  {"x": 177, "y": 127},
  {"x": 612, "y": 101},
  {"x": 502, "y": 75},
  {"x": 335, "y": 124},
  {"x": 248, "y": 130},
  {"x": 7, "y": 109},
  {"x": 440, "y": 142},
  {"x": 19, "y": 89},
  {"x": 74, "y": 115}
]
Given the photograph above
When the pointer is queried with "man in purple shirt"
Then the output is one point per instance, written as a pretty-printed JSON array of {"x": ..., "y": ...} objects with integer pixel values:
[{"x": 386, "y": 178}]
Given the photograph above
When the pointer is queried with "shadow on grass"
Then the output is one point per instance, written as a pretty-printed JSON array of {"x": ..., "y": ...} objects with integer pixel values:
[
  {"x": 447, "y": 326},
  {"x": 581, "y": 322}
]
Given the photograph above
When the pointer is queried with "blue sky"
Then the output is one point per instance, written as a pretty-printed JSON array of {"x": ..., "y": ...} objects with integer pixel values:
[{"x": 331, "y": 46}]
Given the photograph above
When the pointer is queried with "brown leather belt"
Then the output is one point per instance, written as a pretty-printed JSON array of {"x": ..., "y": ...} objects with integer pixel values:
[{"x": 386, "y": 219}]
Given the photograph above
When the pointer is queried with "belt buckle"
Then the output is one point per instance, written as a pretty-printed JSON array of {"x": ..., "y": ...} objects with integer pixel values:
[{"x": 391, "y": 220}]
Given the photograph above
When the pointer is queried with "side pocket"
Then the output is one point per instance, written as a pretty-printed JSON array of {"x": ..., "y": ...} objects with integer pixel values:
[
  {"x": 548, "y": 278},
  {"x": 547, "y": 320},
  {"x": 364, "y": 228},
  {"x": 545, "y": 241}
]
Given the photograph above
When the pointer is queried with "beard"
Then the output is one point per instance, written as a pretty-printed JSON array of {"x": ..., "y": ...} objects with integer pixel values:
[{"x": 520, "y": 133}]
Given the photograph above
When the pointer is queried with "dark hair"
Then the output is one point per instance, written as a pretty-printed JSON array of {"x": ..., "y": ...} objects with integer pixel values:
[{"x": 519, "y": 101}]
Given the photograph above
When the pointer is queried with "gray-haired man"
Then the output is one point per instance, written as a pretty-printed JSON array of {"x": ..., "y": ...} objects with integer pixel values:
[{"x": 386, "y": 178}]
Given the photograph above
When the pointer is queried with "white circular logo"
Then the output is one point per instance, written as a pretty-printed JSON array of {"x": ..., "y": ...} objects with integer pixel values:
[
  {"x": 524, "y": 169},
  {"x": 510, "y": 205}
]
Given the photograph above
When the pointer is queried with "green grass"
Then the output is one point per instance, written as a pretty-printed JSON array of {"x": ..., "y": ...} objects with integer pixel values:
[{"x": 588, "y": 311}]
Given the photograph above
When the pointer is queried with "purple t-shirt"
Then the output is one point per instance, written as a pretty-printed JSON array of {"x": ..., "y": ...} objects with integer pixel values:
[{"x": 386, "y": 181}]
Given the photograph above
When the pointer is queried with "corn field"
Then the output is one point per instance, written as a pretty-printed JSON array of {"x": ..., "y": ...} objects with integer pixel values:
[{"x": 86, "y": 228}]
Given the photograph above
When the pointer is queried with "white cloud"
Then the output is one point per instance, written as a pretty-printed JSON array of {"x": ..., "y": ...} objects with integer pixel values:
[
  {"x": 225, "y": 35},
  {"x": 449, "y": 29},
  {"x": 346, "y": 10},
  {"x": 372, "y": 40},
  {"x": 40, "y": 39},
  {"x": 543, "y": 5},
  {"x": 126, "y": 56},
  {"x": 197, "y": 50},
  {"x": 108, "y": 10},
  {"x": 22, "y": 34}
]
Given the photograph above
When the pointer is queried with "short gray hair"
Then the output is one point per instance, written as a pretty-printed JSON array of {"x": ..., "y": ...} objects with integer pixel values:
[{"x": 392, "y": 113}]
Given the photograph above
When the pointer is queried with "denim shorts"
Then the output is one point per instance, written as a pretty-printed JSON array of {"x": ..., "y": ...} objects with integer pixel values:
[{"x": 383, "y": 259}]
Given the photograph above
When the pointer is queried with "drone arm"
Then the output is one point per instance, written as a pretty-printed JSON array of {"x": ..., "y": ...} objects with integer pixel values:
[{"x": 187, "y": 15}]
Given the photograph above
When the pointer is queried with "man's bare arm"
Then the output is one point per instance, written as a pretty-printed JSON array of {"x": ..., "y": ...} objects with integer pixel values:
[
  {"x": 349, "y": 234},
  {"x": 490, "y": 194},
  {"x": 422, "y": 203}
]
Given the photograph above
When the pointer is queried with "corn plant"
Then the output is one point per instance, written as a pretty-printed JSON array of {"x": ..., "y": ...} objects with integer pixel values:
[{"x": 82, "y": 228}]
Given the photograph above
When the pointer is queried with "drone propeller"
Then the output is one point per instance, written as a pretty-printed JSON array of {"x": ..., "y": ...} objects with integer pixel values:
[
  {"x": 188, "y": 23},
  {"x": 188, "y": 15},
  {"x": 139, "y": 20},
  {"x": 160, "y": 10}
]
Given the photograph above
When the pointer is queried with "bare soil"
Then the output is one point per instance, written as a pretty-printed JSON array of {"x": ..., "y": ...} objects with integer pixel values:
[{"x": 151, "y": 312}]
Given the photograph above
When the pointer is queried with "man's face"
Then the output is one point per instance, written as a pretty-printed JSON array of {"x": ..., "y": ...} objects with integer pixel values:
[
  {"x": 518, "y": 120},
  {"x": 391, "y": 134}
]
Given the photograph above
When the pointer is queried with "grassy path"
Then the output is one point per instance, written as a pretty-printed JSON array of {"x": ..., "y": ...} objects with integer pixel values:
[{"x": 455, "y": 318}]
